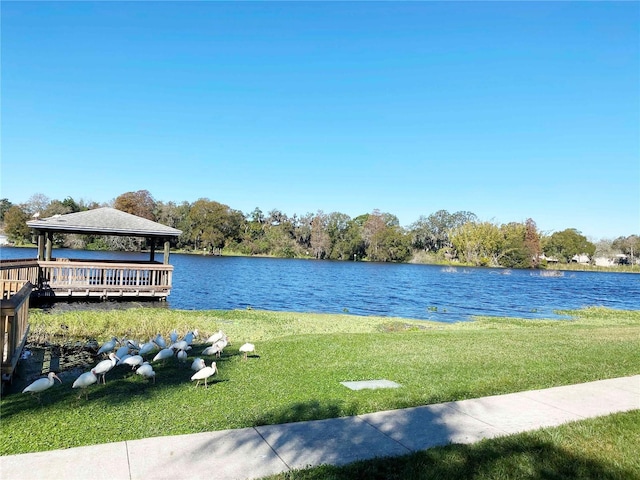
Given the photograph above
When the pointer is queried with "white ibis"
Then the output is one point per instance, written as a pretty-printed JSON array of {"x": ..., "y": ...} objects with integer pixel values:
[
  {"x": 162, "y": 354},
  {"x": 173, "y": 336},
  {"x": 190, "y": 336},
  {"x": 212, "y": 350},
  {"x": 198, "y": 364},
  {"x": 182, "y": 355},
  {"x": 104, "y": 366},
  {"x": 219, "y": 335},
  {"x": 160, "y": 341},
  {"x": 122, "y": 351},
  {"x": 84, "y": 380},
  {"x": 146, "y": 370},
  {"x": 219, "y": 346},
  {"x": 247, "y": 348},
  {"x": 41, "y": 384},
  {"x": 204, "y": 374},
  {"x": 108, "y": 346},
  {"x": 123, "y": 359},
  {"x": 133, "y": 361},
  {"x": 147, "y": 348},
  {"x": 181, "y": 345}
]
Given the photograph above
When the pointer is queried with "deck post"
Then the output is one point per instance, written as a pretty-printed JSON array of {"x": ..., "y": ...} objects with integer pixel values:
[
  {"x": 166, "y": 252},
  {"x": 41, "y": 241},
  {"x": 152, "y": 254},
  {"x": 49, "y": 246}
]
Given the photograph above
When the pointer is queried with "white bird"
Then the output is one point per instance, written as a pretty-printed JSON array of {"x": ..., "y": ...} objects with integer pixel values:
[
  {"x": 42, "y": 384},
  {"x": 162, "y": 354},
  {"x": 220, "y": 345},
  {"x": 84, "y": 380},
  {"x": 133, "y": 361},
  {"x": 190, "y": 336},
  {"x": 204, "y": 374},
  {"x": 247, "y": 348},
  {"x": 181, "y": 345},
  {"x": 173, "y": 336},
  {"x": 198, "y": 364},
  {"x": 122, "y": 351},
  {"x": 133, "y": 345},
  {"x": 147, "y": 348},
  {"x": 108, "y": 346},
  {"x": 219, "y": 335},
  {"x": 212, "y": 350},
  {"x": 103, "y": 367},
  {"x": 182, "y": 355},
  {"x": 160, "y": 341},
  {"x": 123, "y": 358},
  {"x": 146, "y": 370}
]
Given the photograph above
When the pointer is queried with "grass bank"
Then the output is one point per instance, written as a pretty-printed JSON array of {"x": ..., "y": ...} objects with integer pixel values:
[{"x": 299, "y": 363}]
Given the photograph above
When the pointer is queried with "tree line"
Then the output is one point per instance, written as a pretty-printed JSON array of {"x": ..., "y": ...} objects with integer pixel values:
[{"x": 211, "y": 227}]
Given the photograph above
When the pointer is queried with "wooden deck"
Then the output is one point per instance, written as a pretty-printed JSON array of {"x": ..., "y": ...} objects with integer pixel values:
[{"x": 64, "y": 279}]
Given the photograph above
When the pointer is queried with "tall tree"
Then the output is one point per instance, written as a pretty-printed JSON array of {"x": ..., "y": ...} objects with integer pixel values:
[
  {"x": 15, "y": 225},
  {"x": 139, "y": 203},
  {"x": 479, "y": 243},
  {"x": 320, "y": 240},
  {"x": 5, "y": 205},
  {"x": 566, "y": 244}
]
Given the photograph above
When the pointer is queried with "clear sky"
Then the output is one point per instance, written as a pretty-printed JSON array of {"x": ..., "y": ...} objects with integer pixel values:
[{"x": 509, "y": 110}]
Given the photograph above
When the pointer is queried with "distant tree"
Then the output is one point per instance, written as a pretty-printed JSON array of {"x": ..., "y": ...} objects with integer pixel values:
[
  {"x": 320, "y": 240},
  {"x": 372, "y": 230},
  {"x": 478, "y": 243},
  {"x": 15, "y": 225},
  {"x": 566, "y": 244},
  {"x": 213, "y": 224},
  {"x": 514, "y": 252},
  {"x": 37, "y": 203},
  {"x": 71, "y": 205},
  {"x": 139, "y": 203},
  {"x": 628, "y": 245},
  {"x": 5, "y": 205},
  {"x": 532, "y": 243},
  {"x": 432, "y": 233},
  {"x": 56, "y": 207}
]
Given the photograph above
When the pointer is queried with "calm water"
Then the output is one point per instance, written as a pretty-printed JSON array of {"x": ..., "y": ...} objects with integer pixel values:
[{"x": 402, "y": 290}]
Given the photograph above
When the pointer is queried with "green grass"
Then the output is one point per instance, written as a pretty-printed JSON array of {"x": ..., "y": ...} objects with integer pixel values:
[{"x": 301, "y": 360}]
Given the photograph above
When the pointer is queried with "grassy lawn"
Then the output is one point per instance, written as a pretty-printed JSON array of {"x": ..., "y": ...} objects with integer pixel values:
[{"x": 299, "y": 363}]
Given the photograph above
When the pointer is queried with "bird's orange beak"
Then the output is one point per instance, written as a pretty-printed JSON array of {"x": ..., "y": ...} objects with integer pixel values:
[{"x": 57, "y": 377}]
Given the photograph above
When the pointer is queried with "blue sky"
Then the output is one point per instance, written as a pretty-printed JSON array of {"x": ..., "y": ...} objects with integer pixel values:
[{"x": 510, "y": 110}]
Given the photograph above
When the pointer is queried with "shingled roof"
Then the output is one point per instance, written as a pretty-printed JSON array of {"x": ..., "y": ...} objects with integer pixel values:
[{"x": 104, "y": 221}]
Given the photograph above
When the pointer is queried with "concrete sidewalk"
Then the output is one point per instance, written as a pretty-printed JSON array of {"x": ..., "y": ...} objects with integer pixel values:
[{"x": 260, "y": 451}]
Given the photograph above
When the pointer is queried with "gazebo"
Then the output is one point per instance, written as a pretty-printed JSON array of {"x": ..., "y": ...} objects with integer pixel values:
[
  {"x": 101, "y": 221},
  {"x": 64, "y": 278}
]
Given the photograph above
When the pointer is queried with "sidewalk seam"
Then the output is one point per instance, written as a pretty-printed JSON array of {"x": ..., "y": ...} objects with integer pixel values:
[
  {"x": 272, "y": 449},
  {"x": 409, "y": 450},
  {"x": 126, "y": 448}
]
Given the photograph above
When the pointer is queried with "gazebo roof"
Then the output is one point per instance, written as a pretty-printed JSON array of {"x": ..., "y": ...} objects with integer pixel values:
[{"x": 104, "y": 221}]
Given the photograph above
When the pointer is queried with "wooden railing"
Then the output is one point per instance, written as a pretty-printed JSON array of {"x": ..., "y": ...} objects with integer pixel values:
[
  {"x": 20, "y": 270},
  {"x": 14, "y": 314},
  {"x": 73, "y": 278}
]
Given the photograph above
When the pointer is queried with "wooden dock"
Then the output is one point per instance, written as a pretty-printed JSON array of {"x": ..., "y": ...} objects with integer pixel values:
[{"x": 64, "y": 279}]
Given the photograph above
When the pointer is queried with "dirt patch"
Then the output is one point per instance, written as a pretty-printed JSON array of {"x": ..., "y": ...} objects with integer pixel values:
[{"x": 68, "y": 360}]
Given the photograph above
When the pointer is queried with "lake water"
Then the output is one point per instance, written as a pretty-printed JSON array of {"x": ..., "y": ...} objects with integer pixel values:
[{"x": 362, "y": 288}]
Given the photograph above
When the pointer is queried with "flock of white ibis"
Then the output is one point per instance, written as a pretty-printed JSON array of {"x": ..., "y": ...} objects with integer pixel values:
[{"x": 132, "y": 354}]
